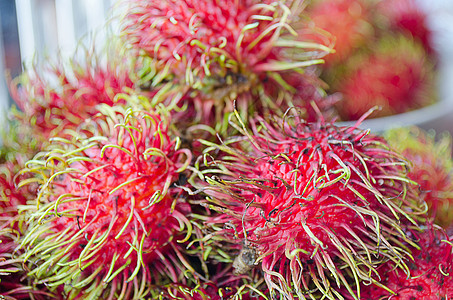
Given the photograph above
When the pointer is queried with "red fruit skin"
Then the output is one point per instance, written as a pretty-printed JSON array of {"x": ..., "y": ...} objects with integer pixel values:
[
  {"x": 346, "y": 21},
  {"x": 288, "y": 197},
  {"x": 375, "y": 79},
  {"x": 115, "y": 204},
  {"x": 408, "y": 17},
  {"x": 430, "y": 272}
]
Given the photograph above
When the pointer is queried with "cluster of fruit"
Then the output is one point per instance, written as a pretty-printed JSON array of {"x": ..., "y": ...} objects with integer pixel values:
[{"x": 192, "y": 156}]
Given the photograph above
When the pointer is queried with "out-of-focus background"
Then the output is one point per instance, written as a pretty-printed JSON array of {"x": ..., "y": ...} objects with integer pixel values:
[{"x": 33, "y": 29}]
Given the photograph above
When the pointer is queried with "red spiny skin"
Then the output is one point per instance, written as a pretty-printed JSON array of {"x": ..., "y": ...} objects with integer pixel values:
[
  {"x": 409, "y": 17},
  {"x": 111, "y": 195},
  {"x": 375, "y": 79},
  {"x": 226, "y": 51},
  {"x": 430, "y": 272},
  {"x": 58, "y": 99},
  {"x": 101, "y": 207},
  {"x": 287, "y": 194},
  {"x": 346, "y": 21},
  {"x": 431, "y": 167},
  {"x": 166, "y": 30}
]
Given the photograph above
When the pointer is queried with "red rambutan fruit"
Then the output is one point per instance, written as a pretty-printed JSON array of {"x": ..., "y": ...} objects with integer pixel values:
[
  {"x": 431, "y": 167},
  {"x": 375, "y": 79},
  {"x": 429, "y": 275},
  {"x": 109, "y": 219},
  {"x": 315, "y": 206},
  {"x": 225, "y": 50},
  {"x": 406, "y": 16},
  {"x": 347, "y": 22},
  {"x": 61, "y": 94}
]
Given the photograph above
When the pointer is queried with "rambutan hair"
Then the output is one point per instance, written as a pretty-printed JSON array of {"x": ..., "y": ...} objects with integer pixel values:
[
  {"x": 315, "y": 206},
  {"x": 108, "y": 220},
  {"x": 227, "y": 50}
]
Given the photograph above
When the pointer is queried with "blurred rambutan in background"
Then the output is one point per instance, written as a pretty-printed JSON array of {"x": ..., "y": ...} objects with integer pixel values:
[
  {"x": 407, "y": 17},
  {"x": 375, "y": 79}
]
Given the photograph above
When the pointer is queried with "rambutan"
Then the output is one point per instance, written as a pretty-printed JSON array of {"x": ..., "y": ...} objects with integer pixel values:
[
  {"x": 374, "y": 79},
  {"x": 408, "y": 17},
  {"x": 107, "y": 208},
  {"x": 225, "y": 50},
  {"x": 429, "y": 275},
  {"x": 315, "y": 206},
  {"x": 431, "y": 167},
  {"x": 57, "y": 95}
]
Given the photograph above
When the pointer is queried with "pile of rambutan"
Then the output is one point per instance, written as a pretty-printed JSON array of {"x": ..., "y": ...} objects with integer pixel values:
[{"x": 192, "y": 156}]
